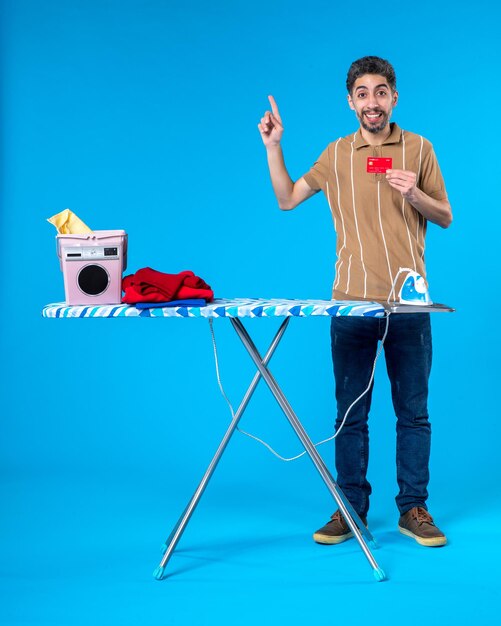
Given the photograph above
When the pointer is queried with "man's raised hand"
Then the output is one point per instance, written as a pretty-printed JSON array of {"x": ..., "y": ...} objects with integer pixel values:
[
  {"x": 270, "y": 127},
  {"x": 403, "y": 181}
]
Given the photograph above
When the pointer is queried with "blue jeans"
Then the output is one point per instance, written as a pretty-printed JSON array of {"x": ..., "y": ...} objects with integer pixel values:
[{"x": 408, "y": 353}]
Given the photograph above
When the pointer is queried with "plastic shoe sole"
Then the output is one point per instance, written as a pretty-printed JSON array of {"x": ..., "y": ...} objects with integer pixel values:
[
  {"x": 329, "y": 540},
  {"x": 429, "y": 542}
]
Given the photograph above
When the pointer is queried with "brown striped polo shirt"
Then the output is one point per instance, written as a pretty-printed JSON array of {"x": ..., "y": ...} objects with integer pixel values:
[{"x": 378, "y": 232}]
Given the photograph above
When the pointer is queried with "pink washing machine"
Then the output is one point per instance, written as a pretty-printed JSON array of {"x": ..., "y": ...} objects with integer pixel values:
[{"x": 92, "y": 266}]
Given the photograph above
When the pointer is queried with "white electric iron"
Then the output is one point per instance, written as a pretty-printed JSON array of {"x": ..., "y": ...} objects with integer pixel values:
[{"x": 414, "y": 289}]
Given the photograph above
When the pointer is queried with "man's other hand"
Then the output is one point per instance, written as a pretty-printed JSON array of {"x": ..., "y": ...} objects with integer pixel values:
[
  {"x": 271, "y": 127},
  {"x": 437, "y": 211},
  {"x": 403, "y": 181}
]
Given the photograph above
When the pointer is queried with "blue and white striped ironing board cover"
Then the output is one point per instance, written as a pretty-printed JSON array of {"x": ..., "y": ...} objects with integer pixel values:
[{"x": 235, "y": 307}]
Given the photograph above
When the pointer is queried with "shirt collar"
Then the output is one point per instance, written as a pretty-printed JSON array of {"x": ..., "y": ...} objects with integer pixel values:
[{"x": 394, "y": 137}]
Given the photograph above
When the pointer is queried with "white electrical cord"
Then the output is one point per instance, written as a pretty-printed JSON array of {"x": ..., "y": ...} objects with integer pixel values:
[
  {"x": 294, "y": 458},
  {"x": 392, "y": 290}
]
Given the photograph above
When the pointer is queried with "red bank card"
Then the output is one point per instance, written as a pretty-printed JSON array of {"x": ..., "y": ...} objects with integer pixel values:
[{"x": 378, "y": 165}]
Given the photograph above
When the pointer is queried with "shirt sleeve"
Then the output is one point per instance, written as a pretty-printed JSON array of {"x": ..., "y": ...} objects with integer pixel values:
[
  {"x": 430, "y": 179},
  {"x": 318, "y": 174}
]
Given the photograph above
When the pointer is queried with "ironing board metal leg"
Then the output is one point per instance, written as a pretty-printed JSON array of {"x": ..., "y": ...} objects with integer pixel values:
[
  {"x": 174, "y": 537},
  {"x": 347, "y": 504},
  {"x": 346, "y": 509}
]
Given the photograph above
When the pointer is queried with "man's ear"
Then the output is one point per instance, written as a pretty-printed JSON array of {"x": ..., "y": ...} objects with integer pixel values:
[
  {"x": 350, "y": 102},
  {"x": 395, "y": 98}
]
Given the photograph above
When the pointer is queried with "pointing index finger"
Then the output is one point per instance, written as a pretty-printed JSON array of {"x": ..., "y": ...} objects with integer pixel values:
[{"x": 274, "y": 107}]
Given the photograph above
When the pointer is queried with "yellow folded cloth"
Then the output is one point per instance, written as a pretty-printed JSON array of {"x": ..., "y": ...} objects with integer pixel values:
[{"x": 67, "y": 223}]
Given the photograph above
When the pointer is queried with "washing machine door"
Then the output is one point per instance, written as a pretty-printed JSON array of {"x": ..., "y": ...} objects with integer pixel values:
[{"x": 93, "y": 279}]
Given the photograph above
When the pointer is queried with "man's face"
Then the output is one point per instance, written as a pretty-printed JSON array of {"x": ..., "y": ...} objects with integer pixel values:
[{"x": 373, "y": 101}]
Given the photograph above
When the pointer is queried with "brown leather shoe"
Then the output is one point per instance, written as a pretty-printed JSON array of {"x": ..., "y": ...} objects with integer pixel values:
[
  {"x": 418, "y": 524},
  {"x": 335, "y": 531}
]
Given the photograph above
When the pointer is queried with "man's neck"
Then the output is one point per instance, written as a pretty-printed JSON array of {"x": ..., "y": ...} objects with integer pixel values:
[{"x": 376, "y": 139}]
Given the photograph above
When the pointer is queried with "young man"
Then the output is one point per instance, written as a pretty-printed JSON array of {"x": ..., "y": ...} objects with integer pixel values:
[{"x": 380, "y": 220}]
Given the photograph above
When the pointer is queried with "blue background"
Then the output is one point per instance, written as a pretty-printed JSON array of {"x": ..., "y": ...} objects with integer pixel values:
[{"x": 142, "y": 116}]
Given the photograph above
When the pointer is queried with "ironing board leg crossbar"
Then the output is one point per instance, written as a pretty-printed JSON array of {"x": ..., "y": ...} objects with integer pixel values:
[{"x": 359, "y": 530}]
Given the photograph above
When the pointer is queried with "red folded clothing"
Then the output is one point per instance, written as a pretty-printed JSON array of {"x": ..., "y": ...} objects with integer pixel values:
[{"x": 148, "y": 285}]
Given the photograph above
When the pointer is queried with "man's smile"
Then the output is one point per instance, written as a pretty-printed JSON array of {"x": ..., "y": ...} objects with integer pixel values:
[
  {"x": 374, "y": 120},
  {"x": 373, "y": 116}
]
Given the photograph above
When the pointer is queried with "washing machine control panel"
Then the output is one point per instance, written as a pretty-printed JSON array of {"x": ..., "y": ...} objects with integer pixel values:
[{"x": 87, "y": 253}]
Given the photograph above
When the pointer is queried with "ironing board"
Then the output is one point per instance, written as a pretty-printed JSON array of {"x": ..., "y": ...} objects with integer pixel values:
[{"x": 235, "y": 310}]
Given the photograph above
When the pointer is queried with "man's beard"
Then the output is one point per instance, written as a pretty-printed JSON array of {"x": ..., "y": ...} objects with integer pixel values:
[{"x": 375, "y": 128}]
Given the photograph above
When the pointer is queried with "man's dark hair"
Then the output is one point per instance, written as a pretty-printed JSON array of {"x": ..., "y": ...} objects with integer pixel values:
[{"x": 371, "y": 65}]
